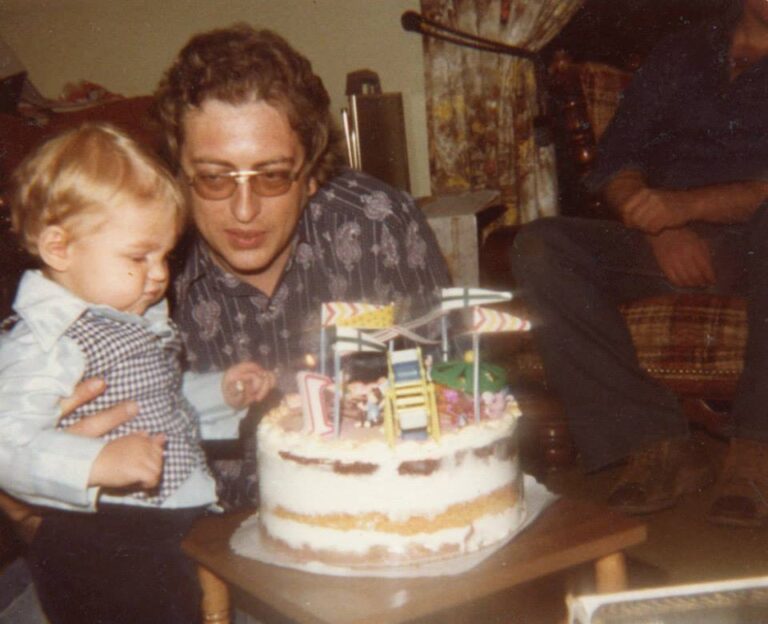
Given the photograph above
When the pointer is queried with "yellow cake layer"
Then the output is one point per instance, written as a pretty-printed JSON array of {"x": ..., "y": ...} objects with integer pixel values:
[{"x": 456, "y": 516}]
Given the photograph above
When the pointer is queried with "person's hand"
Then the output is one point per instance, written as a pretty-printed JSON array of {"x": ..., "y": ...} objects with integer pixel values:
[
  {"x": 246, "y": 383},
  {"x": 26, "y": 518},
  {"x": 684, "y": 257},
  {"x": 96, "y": 425},
  {"x": 653, "y": 210},
  {"x": 135, "y": 459}
]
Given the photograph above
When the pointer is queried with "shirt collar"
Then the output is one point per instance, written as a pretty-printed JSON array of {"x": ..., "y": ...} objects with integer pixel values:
[{"x": 50, "y": 310}]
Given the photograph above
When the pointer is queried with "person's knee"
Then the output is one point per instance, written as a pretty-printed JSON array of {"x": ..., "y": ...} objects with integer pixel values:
[{"x": 537, "y": 247}]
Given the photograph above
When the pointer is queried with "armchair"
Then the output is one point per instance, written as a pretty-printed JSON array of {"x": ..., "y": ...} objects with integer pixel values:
[{"x": 692, "y": 343}]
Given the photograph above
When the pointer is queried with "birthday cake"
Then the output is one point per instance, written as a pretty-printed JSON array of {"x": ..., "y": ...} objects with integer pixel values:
[{"x": 364, "y": 499}]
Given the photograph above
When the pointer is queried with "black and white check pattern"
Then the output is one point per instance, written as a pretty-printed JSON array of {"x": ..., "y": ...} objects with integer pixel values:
[{"x": 144, "y": 367}]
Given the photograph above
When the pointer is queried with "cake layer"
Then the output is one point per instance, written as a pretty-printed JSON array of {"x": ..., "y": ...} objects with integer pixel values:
[
  {"x": 303, "y": 473},
  {"x": 365, "y": 548},
  {"x": 357, "y": 499}
]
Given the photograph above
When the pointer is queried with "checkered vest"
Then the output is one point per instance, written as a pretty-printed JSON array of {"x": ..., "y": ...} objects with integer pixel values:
[{"x": 142, "y": 366}]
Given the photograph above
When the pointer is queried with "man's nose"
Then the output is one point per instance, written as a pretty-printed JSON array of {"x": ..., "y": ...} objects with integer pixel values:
[{"x": 246, "y": 205}]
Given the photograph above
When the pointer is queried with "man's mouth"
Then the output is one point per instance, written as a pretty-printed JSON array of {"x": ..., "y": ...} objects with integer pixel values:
[{"x": 242, "y": 239}]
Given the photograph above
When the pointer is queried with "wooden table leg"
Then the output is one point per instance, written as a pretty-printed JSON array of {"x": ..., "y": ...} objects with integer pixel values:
[
  {"x": 215, "y": 597},
  {"x": 611, "y": 573}
]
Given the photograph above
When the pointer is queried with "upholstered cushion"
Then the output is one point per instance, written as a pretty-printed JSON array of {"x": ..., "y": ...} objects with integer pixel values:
[
  {"x": 602, "y": 86},
  {"x": 691, "y": 336},
  {"x": 688, "y": 338}
]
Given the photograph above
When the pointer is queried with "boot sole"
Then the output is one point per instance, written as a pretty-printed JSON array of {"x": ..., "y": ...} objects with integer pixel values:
[{"x": 736, "y": 522}]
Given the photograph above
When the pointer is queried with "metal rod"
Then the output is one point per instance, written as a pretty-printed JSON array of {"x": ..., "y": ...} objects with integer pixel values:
[{"x": 415, "y": 22}]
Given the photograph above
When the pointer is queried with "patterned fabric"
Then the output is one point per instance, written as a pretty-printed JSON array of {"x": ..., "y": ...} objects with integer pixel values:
[
  {"x": 694, "y": 337},
  {"x": 602, "y": 86},
  {"x": 678, "y": 337},
  {"x": 482, "y": 106},
  {"x": 358, "y": 240},
  {"x": 139, "y": 365}
]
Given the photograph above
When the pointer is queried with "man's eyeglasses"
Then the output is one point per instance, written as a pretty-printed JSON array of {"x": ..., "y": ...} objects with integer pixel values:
[{"x": 263, "y": 182}]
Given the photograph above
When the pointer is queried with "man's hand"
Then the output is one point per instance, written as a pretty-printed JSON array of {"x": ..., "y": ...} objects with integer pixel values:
[
  {"x": 684, "y": 258},
  {"x": 246, "y": 383},
  {"x": 102, "y": 422},
  {"x": 135, "y": 459},
  {"x": 653, "y": 210}
]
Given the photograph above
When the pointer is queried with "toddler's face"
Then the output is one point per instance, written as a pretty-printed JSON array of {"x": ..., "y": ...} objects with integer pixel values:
[{"x": 123, "y": 262}]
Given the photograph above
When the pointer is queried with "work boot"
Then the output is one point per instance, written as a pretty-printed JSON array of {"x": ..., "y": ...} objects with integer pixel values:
[
  {"x": 657, "y": 475},
  {"x": 742, "y": 492}
]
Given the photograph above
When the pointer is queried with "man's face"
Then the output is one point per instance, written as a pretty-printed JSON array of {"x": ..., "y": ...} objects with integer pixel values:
[{"x": 249, "y": 235}]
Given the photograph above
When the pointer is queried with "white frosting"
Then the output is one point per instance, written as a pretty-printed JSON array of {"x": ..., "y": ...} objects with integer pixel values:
[{"x": 297, "y": 475}]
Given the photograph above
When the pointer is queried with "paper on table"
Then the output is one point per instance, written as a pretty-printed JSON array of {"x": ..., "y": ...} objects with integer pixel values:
[{"x": 246, "y": 541}]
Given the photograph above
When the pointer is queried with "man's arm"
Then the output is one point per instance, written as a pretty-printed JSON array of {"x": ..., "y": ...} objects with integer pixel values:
[
  {"x": 683, "y": 256},
  {"x": 654, "y": 210}
]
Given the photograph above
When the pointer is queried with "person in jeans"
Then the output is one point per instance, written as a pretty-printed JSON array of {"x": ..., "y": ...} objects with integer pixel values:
[{"x": 684, "y": 164}]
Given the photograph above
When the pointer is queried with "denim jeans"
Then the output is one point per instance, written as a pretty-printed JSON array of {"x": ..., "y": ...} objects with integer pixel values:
[{"x": 573, "y": 273}]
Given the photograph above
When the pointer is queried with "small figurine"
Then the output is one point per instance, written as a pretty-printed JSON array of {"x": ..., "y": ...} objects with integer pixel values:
[
  {"x": 456, "y": 405},
  {"x": 494, "y": 403},
  {"x": 428, "y": 366},
  {"x": 373, "y": 407}
]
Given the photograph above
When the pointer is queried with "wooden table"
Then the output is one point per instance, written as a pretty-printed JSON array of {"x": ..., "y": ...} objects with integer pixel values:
[{"x": 567, "y": 534}]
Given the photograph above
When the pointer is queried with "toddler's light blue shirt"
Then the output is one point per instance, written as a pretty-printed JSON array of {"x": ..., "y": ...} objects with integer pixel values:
[{"x": 39, "y": 366}]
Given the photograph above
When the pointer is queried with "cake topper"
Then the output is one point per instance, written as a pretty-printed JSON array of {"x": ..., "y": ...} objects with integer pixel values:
[{"x": 410, "y": 408}]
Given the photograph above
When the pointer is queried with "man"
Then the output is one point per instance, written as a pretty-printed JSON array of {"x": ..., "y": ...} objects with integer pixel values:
[
  {"x": 280, "y": 226},
  {"x": 684, "y": 164}
]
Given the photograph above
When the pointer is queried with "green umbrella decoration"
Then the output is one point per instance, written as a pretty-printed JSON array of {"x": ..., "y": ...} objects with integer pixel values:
[{"x": 458, "y": 374}]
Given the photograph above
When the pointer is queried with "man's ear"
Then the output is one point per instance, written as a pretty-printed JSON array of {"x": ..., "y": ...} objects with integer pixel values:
[
  {"x": 53, "y": 247},
  {"x": 311, "y": 187}
]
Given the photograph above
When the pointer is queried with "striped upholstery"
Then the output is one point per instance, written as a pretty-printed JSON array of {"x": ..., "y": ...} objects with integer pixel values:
[{"x": 689, "y": 338}]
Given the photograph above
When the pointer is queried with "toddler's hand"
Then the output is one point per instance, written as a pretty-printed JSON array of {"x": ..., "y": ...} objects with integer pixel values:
[
  {"x": 246, "y": 383},
  {"x": 136, "y": 459}
]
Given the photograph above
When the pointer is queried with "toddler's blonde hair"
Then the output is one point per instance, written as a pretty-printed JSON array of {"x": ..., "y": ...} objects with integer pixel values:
[{"x": 82, "y": 172}]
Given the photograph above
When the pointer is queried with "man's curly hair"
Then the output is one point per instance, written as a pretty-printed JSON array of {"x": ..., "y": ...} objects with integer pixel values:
[{"x": 240, "y": 64}]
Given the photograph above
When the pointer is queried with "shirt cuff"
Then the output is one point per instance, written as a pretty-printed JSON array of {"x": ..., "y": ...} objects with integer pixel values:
[
  {"x": 218, "y": 421},
  {"x": 56, "y": 473}
]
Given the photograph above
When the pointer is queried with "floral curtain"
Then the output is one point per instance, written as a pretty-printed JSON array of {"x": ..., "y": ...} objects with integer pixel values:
[{"x": 481, "y": 106}]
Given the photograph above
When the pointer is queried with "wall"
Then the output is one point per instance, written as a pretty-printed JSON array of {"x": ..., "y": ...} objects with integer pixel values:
[{"x": 126, "y": 45}]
